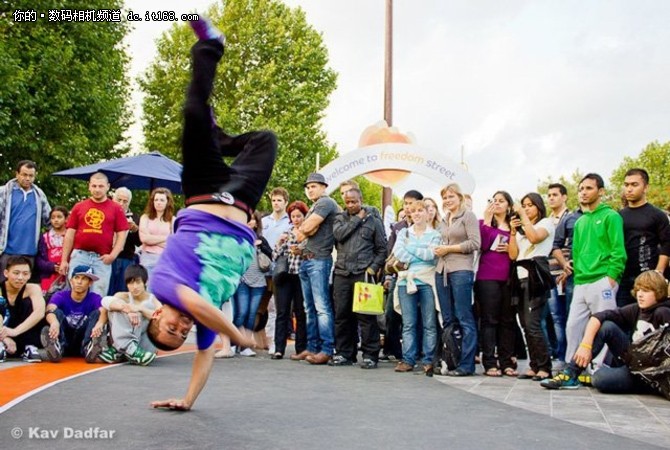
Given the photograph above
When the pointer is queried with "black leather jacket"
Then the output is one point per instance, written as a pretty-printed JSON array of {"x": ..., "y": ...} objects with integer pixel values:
[{"x": 360, "y": 243}]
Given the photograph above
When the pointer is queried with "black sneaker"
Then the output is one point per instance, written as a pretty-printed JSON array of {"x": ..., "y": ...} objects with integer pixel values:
[
  {"x": 368, "y": 364},
  {"x": 93, "y": 349},
  {"x": 340, "y": 361},
  {"x": 31, "y": 354},
  {"x": 564, "y": 380},
  {"x": 52, "y": 349}
]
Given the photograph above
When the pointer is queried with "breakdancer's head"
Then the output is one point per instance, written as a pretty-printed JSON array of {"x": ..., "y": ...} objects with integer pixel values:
[{"x": 169, "y": 327}]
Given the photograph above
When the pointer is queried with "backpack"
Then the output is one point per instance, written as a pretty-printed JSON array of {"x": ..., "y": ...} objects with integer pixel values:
[{"x": 449, "y": 350}]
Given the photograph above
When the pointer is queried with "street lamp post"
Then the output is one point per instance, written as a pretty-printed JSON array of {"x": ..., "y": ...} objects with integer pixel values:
[{"x": 387, "y": 193}]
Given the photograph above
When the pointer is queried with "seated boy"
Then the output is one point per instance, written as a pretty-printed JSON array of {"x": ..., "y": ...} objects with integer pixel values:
[
  {"x": 212, "y": 246},
  {"x": 21, "y": 312},
  {"x": 613, "y": 328},
  {"x": 128, "y": 318},
  {"x": 74, "y": 318}
]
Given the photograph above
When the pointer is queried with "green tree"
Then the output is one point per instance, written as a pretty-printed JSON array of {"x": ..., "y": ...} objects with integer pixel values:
[
  {"x": 273, "y": 75},
  {"x": 571, "y": 183},
  {"x": 64, "y": 92},
  {"x": 655, "y": 159}
]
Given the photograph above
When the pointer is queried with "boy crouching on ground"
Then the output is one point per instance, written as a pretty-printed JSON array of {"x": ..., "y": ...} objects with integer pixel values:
[{"x": 614, "y": 328}]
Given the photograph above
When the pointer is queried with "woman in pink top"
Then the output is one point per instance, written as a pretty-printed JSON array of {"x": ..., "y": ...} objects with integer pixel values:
[{"x": 155, "y": 226}]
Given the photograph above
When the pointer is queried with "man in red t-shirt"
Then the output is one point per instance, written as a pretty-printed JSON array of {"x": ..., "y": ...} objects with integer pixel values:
[{"x": 96, "y": 233}]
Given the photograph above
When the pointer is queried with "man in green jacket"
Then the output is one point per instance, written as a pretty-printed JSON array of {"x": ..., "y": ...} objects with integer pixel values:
[{"x": 599, "y": 258}]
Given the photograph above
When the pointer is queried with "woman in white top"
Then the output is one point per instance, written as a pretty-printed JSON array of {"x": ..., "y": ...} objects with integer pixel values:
[
  {"x": 156, "y": 224},
  {"x": 531, "y": 240}
]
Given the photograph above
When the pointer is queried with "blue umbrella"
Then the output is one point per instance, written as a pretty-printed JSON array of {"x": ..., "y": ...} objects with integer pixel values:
[{"x": 146, "y": 171}]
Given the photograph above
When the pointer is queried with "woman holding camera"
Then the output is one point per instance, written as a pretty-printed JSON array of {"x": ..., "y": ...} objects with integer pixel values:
[
  {"x": 531, "y": 240},
  {"x": 492, "y": 294}
]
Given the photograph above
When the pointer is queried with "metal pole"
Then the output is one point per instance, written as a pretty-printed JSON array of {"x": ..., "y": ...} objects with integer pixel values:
[{"x": 387, "y": 193}]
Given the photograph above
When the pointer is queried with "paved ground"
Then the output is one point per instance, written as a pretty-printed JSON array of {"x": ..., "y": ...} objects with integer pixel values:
[
  {"x": 642, "y": 417},
  {"x": 258, "y": 403}
]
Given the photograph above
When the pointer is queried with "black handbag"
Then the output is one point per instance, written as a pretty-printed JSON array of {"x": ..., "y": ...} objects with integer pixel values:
[{"x": 281, "y": 267}]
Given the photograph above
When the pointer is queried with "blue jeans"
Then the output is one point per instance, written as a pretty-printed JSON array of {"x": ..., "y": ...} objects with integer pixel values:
[
  {"x": 102, "y": 270},
  {"x": 314, "y": 278},
  {"x": 246, "y": 300},
  {"x": 559, "y": 316},
  {"x": 456, "y": 304},
  {"x": 409, "y": 305},
  {"x": 74, "y": 338}
]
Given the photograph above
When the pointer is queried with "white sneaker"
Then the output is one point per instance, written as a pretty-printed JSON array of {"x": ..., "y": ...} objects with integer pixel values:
[
  {"x": 3, "y": 352},
  {"x": 224, "y": 354},
  {"x": 247, "y": 352}
]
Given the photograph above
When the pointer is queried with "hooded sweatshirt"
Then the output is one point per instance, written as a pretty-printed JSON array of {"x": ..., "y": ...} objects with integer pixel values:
[{"x": 598, "y": 247}]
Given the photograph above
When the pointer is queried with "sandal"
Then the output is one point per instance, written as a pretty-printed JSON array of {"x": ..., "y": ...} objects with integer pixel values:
[
  {"x": 527, "y": 376},
  {"x": 493, "y": 372},
  {"x": 510, "y": 372},
  {"x": 542, "y": 375}
]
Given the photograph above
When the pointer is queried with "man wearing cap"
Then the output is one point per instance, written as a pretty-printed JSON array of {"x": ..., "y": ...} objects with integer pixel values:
[
  {"x": 75, "y": 317},
  {"x": 316, "y": 238}
]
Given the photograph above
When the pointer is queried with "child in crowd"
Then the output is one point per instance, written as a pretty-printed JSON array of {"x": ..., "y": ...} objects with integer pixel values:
[
  {"x": 50, "y": 248},
  {"x": 613, "y": 328},
  {"x": 128, "y": 318}
]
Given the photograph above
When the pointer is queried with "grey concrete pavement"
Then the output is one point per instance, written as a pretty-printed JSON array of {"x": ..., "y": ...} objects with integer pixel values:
[{"x": 257, "y": 403}]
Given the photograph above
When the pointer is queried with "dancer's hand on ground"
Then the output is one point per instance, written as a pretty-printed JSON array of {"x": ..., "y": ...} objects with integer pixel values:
[{"x": 175, "y": 404}]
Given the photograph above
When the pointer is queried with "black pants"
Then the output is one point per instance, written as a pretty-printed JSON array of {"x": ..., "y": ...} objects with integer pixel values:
[
  {"x": 204, "y": 144},
  {"x": 347, "y": 321},
  {"x": 74, "y": 339},
  {"x": 623, "y": 294},
  {"x": 392, "y": 345},
  {"x": 288, "y": 293},
  {"x": 531, "y": 310},
  {"x": 497, "y": 319}
]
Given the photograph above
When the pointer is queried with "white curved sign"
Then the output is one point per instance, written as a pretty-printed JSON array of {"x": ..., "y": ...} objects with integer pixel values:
[{"x": 409, "y": 158}]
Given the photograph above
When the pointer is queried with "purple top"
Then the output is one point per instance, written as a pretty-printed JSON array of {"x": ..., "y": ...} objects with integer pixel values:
[
  {"x": 492, "y": 265},
  {"x": 76, "y": 312},
  {"x": 207, "y": 253}
]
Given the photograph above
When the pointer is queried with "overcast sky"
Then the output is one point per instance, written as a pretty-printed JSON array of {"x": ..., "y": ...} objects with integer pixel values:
[{"x": 529, "y": 89}]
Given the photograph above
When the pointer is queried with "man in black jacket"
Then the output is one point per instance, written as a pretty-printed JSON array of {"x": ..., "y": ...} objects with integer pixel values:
[{"x": 361, "y": 250}]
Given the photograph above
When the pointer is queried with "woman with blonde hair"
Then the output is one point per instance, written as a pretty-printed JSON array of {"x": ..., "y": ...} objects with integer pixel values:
[
  {"x": 434, "y": 217},
  {"x": 454, "y": 277},
  {"x": 415, "y": 288},
  {"x": 156, "y": 224}
]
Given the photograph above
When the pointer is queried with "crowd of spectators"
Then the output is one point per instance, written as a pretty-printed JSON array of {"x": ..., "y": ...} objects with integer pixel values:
[{"x": 77, "y": 282}]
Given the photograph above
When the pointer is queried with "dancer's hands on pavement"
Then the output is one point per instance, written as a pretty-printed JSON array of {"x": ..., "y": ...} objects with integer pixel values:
[{"x": 175, "y": 404}]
